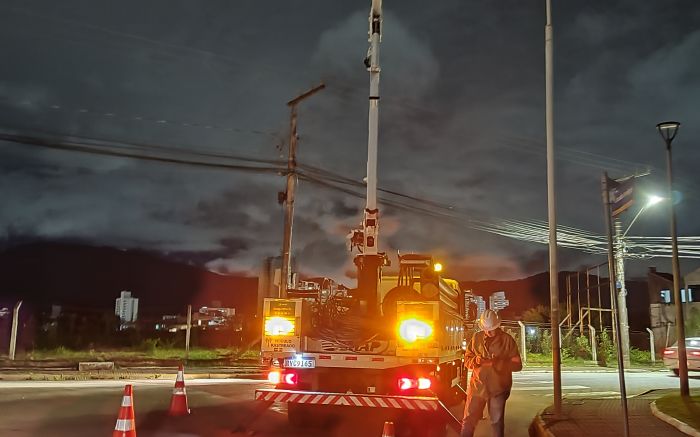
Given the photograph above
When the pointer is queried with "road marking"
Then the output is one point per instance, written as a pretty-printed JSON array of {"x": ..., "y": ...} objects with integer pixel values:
[
  {"x": 278, "y": 409},
  {"x": 594, "y": 394},
  {"x": 549, "y": 387}
]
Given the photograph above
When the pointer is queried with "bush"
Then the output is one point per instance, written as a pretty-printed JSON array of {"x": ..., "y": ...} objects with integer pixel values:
[
  {"x": 692, "y": 323},
  {"x": 580, "y": 348},
  {"x": 541, "y": 343},
  {"x": 638, "y": 356},
  {"x": 606, "y": 349},
  {"x": 565, "y": 354},
  {"x": 149, "y": 345}
]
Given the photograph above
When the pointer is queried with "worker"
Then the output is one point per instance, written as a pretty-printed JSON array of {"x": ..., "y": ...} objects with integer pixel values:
[{"x": 492, "y": 356}]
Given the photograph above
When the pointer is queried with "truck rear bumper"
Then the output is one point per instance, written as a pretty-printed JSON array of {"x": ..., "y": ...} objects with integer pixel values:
[{"x": 417, "y": 403}]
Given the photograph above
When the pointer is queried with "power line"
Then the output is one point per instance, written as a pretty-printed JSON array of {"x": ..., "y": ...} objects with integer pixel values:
[
  {"x": 535, "y": 231},
  {"x": 131, "y": 151}
]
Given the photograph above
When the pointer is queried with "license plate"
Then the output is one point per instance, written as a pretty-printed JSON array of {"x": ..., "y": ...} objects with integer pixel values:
[{"x": 300, "y": 363}]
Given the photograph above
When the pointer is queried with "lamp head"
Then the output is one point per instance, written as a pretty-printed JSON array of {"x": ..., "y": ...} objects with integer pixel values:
[
  {"x": 668, "y": 130},
  {"x": 653, "y": 200}
]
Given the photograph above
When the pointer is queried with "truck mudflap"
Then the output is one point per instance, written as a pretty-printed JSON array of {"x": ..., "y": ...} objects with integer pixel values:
[
  {"x": 414, "y": 403},
  {"x": 419, "y": 403}
]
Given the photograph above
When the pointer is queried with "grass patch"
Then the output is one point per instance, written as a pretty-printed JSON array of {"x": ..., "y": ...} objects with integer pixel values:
[
  {"x": 638, "y": 361},
  {"x": 534, "y": 359},
  {"x": 685, "y": 410},
  {"x": 147, "y": 352}
]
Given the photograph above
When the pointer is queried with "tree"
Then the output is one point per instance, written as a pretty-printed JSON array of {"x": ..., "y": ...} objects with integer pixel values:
[
  {"x": 537, "y": 314},
  {"x": 692, "y": 323}
]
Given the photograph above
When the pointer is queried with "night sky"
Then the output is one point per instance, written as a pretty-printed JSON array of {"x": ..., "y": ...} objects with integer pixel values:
[{"x": 461, "y": 123}]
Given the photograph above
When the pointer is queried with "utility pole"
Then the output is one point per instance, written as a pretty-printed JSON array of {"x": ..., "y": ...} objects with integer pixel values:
[
  {"x": 187, "y": 333},
  {"x": 611, "y": 268},
  {"x": 288, "y": 195},
  {"x": 624, "y": 332},
  {"x": 13, "y": 333},
  {"x": 600, "y": 302},
  {"x": 551, "y": 210}
]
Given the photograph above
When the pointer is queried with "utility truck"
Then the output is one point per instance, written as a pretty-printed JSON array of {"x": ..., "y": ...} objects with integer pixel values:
[
  {"x": 394, "y": 343},
  {"x": 406, "y": 358}
]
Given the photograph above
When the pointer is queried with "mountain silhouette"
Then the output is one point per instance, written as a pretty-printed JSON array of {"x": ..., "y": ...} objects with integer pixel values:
[{"x": 46, "y": 273}]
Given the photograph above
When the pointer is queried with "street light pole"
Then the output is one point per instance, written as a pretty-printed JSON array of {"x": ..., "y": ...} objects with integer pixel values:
[
  {"x": 668, "y": 131},
  {"x": 552, "y": 210},
  {"x": 291, "y": 189}
]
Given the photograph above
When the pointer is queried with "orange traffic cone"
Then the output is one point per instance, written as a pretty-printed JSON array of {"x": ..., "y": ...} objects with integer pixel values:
[
  {"x": 178, "y": 403},
  {"x": 126, "y": 424},
  {"x": 388, "y": 429}
]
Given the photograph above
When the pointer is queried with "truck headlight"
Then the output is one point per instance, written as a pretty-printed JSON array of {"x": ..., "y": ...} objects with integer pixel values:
[
  {"x": 411, "y": 330},
  {"x": 279, "y": 326}
]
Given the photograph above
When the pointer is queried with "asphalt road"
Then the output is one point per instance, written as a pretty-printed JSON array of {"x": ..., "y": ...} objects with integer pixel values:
[{"x": 220, "y": 407}]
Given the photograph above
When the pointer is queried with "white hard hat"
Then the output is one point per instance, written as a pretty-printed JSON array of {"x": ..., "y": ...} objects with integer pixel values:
[{"x": 489, "y": 320}]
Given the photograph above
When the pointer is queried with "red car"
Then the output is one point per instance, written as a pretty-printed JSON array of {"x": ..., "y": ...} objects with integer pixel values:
[{"x": 692, "y": 347}]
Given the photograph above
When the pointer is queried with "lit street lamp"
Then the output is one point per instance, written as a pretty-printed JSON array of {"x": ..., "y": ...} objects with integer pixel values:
[
  {"x": 620, "y": 251},
  {"x": 668, "y": 131},
  {"x": 651, "y": 201}
]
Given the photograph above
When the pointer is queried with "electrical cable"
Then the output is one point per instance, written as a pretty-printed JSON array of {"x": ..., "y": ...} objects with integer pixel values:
[{"x": 97, "y": 150}]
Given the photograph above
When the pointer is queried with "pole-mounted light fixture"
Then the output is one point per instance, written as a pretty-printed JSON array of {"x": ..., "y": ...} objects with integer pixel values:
[
  {"x": 668, "y": 130},
  {"x": 651, "y": 201}
]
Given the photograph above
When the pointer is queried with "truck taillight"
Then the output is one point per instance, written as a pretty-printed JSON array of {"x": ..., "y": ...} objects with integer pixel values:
[
  {"x": 274, "y": 377},
  {"x": 669, "y": 352},
  {"x": 695, "y": 353},
  {"x": 413, "y": 383},
  {"x": 423, "y": 383},
  {"x": 277, "y": 377},
  {"x": 279, "y": 326},
  {"x": 290, "y": 378}
]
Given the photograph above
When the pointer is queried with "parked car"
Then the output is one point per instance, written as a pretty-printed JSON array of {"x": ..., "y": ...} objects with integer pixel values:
[{"x": 692, "y": 347}]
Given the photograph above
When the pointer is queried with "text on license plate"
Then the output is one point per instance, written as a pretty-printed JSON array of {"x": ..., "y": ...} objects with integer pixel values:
[{"x": 303, "y": 363}]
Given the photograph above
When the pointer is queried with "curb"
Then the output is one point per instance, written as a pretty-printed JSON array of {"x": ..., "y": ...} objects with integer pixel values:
[
  {"x": 589, "y": 370},
  {"x": 679, "y": 425},
  {"x": 538, "y": 428},
  {"x": 85, "y": 376}
]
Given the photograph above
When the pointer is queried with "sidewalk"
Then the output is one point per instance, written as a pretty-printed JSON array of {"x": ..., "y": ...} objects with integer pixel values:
[{"x": 603, "y": 418}]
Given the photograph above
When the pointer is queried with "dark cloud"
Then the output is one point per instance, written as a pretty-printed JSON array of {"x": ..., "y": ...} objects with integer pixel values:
[{"x": 461, "y": 122}]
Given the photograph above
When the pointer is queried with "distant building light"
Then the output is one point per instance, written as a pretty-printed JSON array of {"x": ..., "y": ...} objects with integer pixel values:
[{"x": 686, "y": 295}]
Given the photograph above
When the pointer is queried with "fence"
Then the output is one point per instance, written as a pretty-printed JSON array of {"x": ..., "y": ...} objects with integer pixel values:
[{"x": 589, "y": 345}]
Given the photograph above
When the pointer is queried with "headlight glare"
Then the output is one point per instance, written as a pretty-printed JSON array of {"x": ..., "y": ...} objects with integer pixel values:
[
  {"x": 279, "y": 326},
  {"x": 411, "y": 330}
]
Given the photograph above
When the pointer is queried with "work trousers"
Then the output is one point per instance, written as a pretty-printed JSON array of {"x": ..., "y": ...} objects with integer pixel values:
[{"x": 474, "y": 410}]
